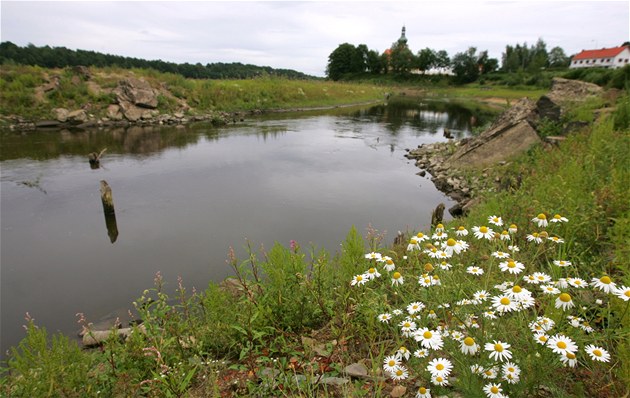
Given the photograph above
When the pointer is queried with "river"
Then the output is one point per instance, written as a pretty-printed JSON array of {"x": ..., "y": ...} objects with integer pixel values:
[{"x": 183, "y": 195}]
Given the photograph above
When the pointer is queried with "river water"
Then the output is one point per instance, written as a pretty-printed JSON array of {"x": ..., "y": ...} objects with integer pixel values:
[{"x": 183, "y": 195}]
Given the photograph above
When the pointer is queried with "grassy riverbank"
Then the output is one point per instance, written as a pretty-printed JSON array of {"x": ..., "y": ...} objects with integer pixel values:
[
  {"x": 32, "y": 93},
  {"x": 297, "y": 318}
]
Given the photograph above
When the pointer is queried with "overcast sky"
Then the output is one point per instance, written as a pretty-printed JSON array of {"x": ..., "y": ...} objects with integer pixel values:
[{"x": 301, "y": 35}]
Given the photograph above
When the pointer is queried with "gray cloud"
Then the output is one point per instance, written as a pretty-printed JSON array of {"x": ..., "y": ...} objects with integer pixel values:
[{"x": 301, "y": 35}]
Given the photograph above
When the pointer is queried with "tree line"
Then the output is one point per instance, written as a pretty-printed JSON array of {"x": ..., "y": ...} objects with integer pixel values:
[
  {"x": 349, "y": 61},
  {"x": 61, "y": 57}
]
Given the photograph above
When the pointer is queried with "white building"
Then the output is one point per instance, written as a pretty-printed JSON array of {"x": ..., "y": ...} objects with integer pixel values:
[{"x": 616, "y": 57}]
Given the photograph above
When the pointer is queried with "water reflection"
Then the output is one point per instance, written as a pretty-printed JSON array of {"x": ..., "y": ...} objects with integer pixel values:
[{"x": 108, "y": 210}]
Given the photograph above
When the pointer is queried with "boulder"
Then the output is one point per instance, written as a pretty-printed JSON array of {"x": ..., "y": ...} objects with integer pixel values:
[
  {"x": 136, "y": 92},
  {"x": 77, "y": 116},
  {"x": 61, "y": 114},
  {"x": 114, "y": 113},
  {"x": 563, "y": 92},
  {"x": 511, "y": 134}
]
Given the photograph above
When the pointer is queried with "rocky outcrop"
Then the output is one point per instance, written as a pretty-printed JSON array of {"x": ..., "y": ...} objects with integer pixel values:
[
  {"x": 136, "y": 99},
  {"x": 513, "y": 132}
]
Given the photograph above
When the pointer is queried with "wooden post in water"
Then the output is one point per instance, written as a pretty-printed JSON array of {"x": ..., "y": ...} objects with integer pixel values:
[{"x": 108, "y": 211}]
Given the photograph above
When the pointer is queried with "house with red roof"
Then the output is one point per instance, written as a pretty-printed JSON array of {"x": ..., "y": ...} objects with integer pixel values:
[{"x": 616, "y": 57}]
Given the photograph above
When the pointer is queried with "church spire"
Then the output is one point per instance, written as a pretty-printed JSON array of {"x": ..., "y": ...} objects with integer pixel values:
[{"x": 403, "y": 38}]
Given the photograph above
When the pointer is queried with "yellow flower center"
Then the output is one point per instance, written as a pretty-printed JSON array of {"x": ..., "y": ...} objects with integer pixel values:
[
  {"x": 431, "y": 312},
  {"x": 371, "y": 270},
  {"x": 422, "y": 390},
  {"x": 562, "y": 345},
  {"x": 439, "y": 379},
  {"x": 435, "y": 277},
  {"x": 505, "y": 301},
  {"x": 511, "y": 369},
  {"x": 570, "y": 355},
  {"x": 420, "y": 235},
  {"x": 557, "y": 216},
  {"x": 439, "y": 366},
  {"x": 389, "y": 261},
  {"x": 428, "y": 267},
  {"x": 451, "y": 242},
  {"x": 439, "y": 226},
  {"x": 511, "y": 264},
  {"x": 597, "y": 353},
  {"x": 513, "y": 226},
  {"x": 543, "y": 338},
  {"x": 535, "y": 234},
  {"x": 359, "y": 278},
  {"x": 461, "y": 228},
  {"x": 483, "y": 230},
  {"x": 517, "y": 289},
  {"x": 427, "y": 335},
  {"x": 541, "y": 216},
  {"x": 498, "y": 347},
  {"x": 565, "y": 297},
  {"x": 427, "y": 280},
  {"x": 469, "y": 341},
  {"x": 396, "y": 275},
  {"x": 399, "y": 372},
  {"x": 407, "y": 325},
  {"x": 488, "y": 372},
  {"x": 494, "y": 389},
  {"x": 605, "y": 279},
  {"x": 391, "y": 363},
  {"x": 627, "y": 293},
  {"x": 544, "y": 234}
]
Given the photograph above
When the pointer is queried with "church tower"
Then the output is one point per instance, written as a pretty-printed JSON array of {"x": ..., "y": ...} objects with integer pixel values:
[{"x": 403, "y": 38}]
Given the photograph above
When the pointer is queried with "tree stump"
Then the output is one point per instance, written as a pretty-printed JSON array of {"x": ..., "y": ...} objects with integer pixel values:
[{"x": 109, "y": 212}]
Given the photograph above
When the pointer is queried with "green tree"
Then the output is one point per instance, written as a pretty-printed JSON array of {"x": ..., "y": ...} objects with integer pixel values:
[
  {"x": 465, "y": 66},
  {"x": 539, "y": 57},
  {"x": 401, "y": 59},
  {"x": 426, "y": 59},
  {"x": 558, "y": 58},
  {"x": 341, "y": 61}
]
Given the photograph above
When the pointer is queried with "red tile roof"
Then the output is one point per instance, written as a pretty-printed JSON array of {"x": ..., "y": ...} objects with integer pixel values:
[{"x": 603, "y": 53}]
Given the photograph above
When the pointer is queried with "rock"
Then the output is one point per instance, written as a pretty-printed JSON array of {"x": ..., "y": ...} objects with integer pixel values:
[
  {"x": 82, "y": 71},
  {"x": 61, "y": 114},
  {"x": 334, "y": 381},
  {"x": 114, "y": 113},
  {"x": 398, "y": 391},
  {"x": 357, "y": 370},
  {"x": 456, "y": 210},
  {"x": 78, "y": 116},
  {"x": 136, "y": 92},
  {"x": 511, "y": 134},
  {"x": 52, "y": 84}
]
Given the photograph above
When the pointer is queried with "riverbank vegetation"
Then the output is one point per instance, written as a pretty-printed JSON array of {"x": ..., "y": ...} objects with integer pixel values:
[{"x": 527, "y": 296}]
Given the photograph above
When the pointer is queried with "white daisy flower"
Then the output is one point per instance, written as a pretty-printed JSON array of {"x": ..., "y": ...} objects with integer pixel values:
[
  {"x": 421, "y": 353},
  {"x": 439, "y": 380},
  {"x": 431, "y": 339},
  {"x": 483, "y": 232},
  {"x": 561, "y": 263},
  {"x": 468, "y": 346},
  {"x": 474, "y": 270},
  {"x": 423, "y": 393},
  {"x": 415, "y": 307},
  {"x": 564, "y": 301},
  {"x": 505, "y": 235},
  {"x": 605, "y": 284},
  {"x": 577, "y": 282},
  {"x": 540, "y": 220},
  {"x": 560, "y": 344},
  {"x": 391, "y": 363},
  {"x": 498, "y": 350},
  {"x": 503, "y": 303},
  {"x": 558, "y": 219},
  {"x": 623, "y": 293},
  {"x": 385, "y": 317},
  {"x": 512, "y": 266},
  {"x": 495, "y": 220},
  {"x": 397, "y": 279},
  {"x": 461, "y": 231},
  {"x": 569, "y": 359},
  {"x": 514, "y": 248},
  {"x": 597, "y": 353},
  {"x": 500, "y": 254},
  {"x": 372, "y": 273},
  {"x": 534, "y": 237},
  {"x": 549, "y": 289},
  {"x": 403, "y": 352},
  {"x": 359, "y": 280},
  {"x": 373, "y": 256},
  {"x": 399, "y": 374},
  {"x": 513, "y": 229},
  {"x": 493, "y": 390},
  {"x": 440, "y": 367}
]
